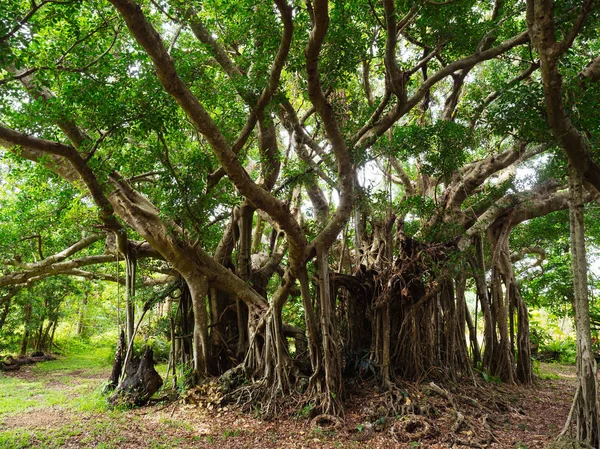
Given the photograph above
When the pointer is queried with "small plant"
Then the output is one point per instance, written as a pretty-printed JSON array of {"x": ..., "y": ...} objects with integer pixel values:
[
  {"x": 563, "y": 351},
  {"x": 415, "y": 444},
  {"x": 306, "y": 411},
  {"x": 231, "y": 433},
  {"x": 488, "y": 377}
]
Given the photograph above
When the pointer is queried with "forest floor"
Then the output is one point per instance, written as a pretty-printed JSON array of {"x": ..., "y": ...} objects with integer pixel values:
[{"x": 59, "y": 404}]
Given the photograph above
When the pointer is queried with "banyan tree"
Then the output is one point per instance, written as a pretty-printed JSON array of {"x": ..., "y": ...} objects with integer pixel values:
[{"x": 362, "y": 162}]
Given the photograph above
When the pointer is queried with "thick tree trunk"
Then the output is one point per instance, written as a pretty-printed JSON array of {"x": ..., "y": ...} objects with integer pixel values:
[
  {"x": 201, "y": 344},
  {"x": 118, "y": 362},
  {"x": 524, "y": 366},
  {"x": 331, "y": 352},
  {"x": 462, "y": 314},
  {"x": 490, "y": 339},
  {"x": 586, "y": 410},
  {"x": 503, "y": 358},
  {"x": 141, "y": 383},
  {"x": 310, "y": 318}
]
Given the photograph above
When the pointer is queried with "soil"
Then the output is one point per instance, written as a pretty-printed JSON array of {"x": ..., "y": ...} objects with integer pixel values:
[{"x": 518, "y": 417}]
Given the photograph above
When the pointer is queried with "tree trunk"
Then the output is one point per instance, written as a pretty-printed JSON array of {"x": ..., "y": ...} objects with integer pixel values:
[
  {"x": 130, "y": 274},
  {"x": 141, "y": 383},
  {"x": 118, "y": 362},
  {"x": 81, "y": 317},
  {"x": 502, "y": 363},
  {"x": 200, "y": 348},
  {"x": 586, "y": 405},
  {"x": 27, "y": 321},
  {"x": 331, "y": 352},
  {"x": 4, "y": 314},
  {"x": 473, "y": 337}
]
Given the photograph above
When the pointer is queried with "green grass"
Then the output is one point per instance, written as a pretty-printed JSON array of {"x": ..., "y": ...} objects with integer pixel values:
[
  {"x": 90, "y": 359},
  {"x": 57, "y": 383},
  {"x": 72, "y": 386}
]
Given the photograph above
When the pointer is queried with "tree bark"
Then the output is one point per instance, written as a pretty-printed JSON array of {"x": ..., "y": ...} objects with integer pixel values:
[
  {"x": 26, "y": 322},
  {"x": 81, "y": 314},
  {"x": 587, "y": 401},
  {"x": 200, "y": 348},
  {"x": 130, "y": 275}
]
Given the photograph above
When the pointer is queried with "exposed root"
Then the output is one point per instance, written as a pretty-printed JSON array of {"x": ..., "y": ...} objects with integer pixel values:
[
  {"x": 363, "y": 432},
  {"x": 568, "y": 443},
  {"x": 397, "y": 402},
  {"x": 326, "y": 422},
  {"x": 262, "y": 398},
  {"x": 567, "y": 425},
  {"x": 460, "y": 419},
  {"x": 482, "y": 432},
  {"x": 413, "y": 428}
]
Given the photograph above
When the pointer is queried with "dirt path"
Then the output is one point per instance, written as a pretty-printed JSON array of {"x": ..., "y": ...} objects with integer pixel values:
[{"x": 64, "y": 409}]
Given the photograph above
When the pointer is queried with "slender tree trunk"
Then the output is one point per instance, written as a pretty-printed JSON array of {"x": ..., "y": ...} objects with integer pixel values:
[
  {"x": 37, "y": 345},
  {"x": 81, "y": 317},
  {"x": 130, "y": 274},
  {"x": 386, "y": 323},
  {"x": 244, "y": 270},
  {"x": 27, "y": 321},
  {"x": 473, "y": 337},
  {"x": 51, "y": 342},
  {"x": 586, "y": 407},
  {"x": 4, "y": 314}
]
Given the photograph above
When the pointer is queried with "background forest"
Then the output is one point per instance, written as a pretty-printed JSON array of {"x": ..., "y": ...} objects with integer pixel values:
[{"x": 295, "y": 194}]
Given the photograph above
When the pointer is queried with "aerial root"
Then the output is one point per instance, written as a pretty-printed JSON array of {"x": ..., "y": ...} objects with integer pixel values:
[
  {"x": 413, "y": 428},
  {"x": 326, "y": 422}
]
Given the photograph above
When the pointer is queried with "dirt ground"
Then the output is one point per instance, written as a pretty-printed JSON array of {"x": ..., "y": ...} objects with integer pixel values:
[{"x": 487, "y": 415}]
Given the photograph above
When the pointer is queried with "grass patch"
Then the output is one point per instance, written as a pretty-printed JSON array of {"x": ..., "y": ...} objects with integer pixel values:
[
  {"x": 72, "y": 381},
  {"x": 90, "y": 359},
  {"x": 60, "y": 403},
  {"x": 544, "y": 372},
  {"x": 16, "y": 439},
  {"x": 18, "y": 395}
]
